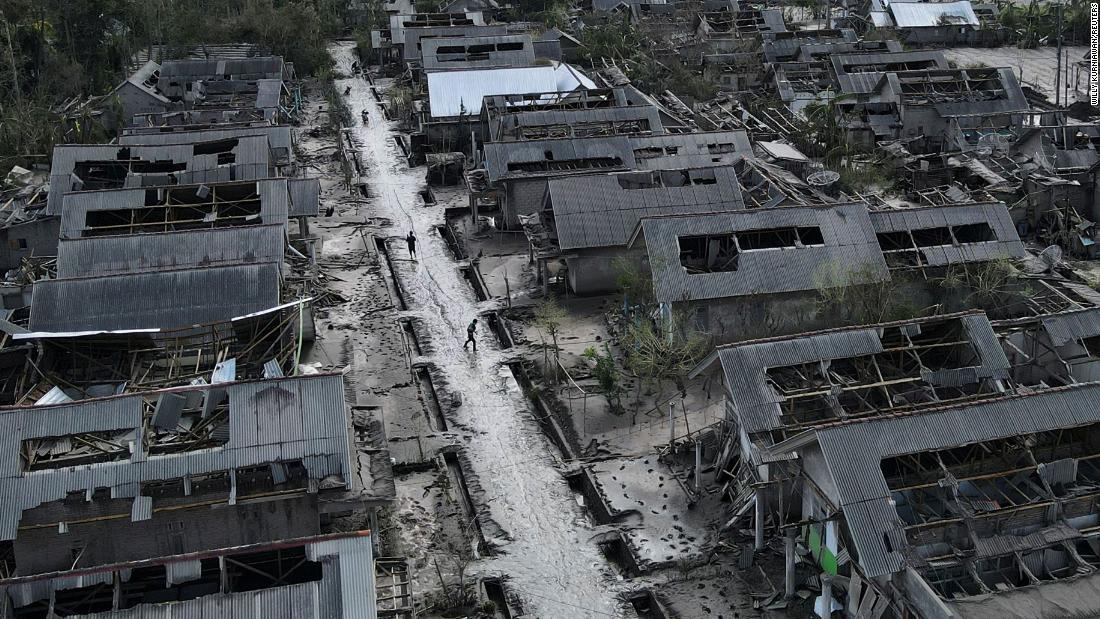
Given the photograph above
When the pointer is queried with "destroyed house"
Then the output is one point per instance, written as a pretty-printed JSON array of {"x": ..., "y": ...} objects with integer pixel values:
[
  {"x": 590, "y": 217},
  {"x": 262, "y": 344},
  {"x": 79, "y": 167},
  {"x": 750, "y": 273},
  {"x": 786, "y": 46},
  {"x": 317, "y": 577},
  {"x": 1056, "y": 348},
  {"x": 964, "y": 510},
  {"x": 576, "y": 114},
  {"x": 861, "y": 72},
  {"x": 224, "y": 102},
  {"x": 800, "y": 83},
  {"x": 184, "y": 207},
  {"x": 928, "y": 104},
  {"x": 519, "y": 171},
  {"x": 137, "y": 94},
  {"x": 942, "y": 236},
  {"x": 155, "y": 299},
  {"x": 451, "y": 120},
  {"x": 187, "y": 469},
  {"x": 279, "y": 138},
  {"x": 481, "y": 52},
  {"x": 219, "y": 74},
  {"x": 416, "y": 38}
]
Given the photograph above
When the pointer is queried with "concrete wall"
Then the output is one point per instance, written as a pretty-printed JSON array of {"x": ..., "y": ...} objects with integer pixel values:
[
  {"x": 594, "y": 271},
  {"x": 522, "y": 197},
  {"x": 32, "y": 238},
  {"x": 172, "y": 532}
]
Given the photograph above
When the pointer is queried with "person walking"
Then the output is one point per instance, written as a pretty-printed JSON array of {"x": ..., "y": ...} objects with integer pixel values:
[
  {"x": 411, "y": 240},
  {"x": 470, "y": 330}
]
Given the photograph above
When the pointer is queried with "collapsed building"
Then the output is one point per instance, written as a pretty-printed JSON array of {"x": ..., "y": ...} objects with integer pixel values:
[
  {"x": 139, "y": 473},
  {"x": 903, "y": 458},
  {"x": 184, "y": 92},
  {"x": 319, "y": 576}
]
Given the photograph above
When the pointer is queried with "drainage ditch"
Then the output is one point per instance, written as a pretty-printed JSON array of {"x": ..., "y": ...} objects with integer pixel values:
[
  {"x": 542, "y": 412},
  {"x": 458, "y": 481},
  {"x": 494, "y": 592},
  {"x": 410, "y": 337},
  {"x": 448, "y": 234},
  {"x": 391, "y": 281},
  {"x": 647, "y": 606},
  {"x": 618, "y": 553},
  {"x": 431, "y": 400},
  {"x": 478, "y": 284}
]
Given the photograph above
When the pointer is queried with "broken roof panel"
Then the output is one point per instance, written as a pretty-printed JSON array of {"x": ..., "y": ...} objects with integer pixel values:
[
  {"x": 280, "y": 137},
  {"x": 446, "y": 53},
  {"x": 933, "y": 14},
  {"x": 275, "y": 420},
  {"x": 164, "y": 299},
  {"x": 268, "y": 200},
  {"x": 131, "y": 253},
  {"x": 855, "y": 450},
  {"x": 452, "y": 93},
  {"x": 255, "y": 68},
  {"x": 305, "y": 197},
  {"x": 640, "y": 152},
  {"x": 603, "y": 210},
  {"x": 846, "y": 233},
  {"x": 1002, "y": 239},
  {"x": 86, "y": 167},
  {"x": 760, "y": 407}
]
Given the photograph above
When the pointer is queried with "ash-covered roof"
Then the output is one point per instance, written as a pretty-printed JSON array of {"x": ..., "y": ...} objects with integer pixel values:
[
  {"x": 759, "y": 407},
  {"x": 854, "y": 452},
  {"x": 208, "y": 161},
  {"x": 277, "y": 420},
  {"x": 162, "y": 299},
  {"x": 847, "y": 240},
  {"x": 655, "y": 152},
  {"x": 346, "y": 587},
  {"x": 446, "y": 53},
  {"x": 602, "y": 210},
  {"x": 132, "y": 253},
  {"x": 1005, "y": 241},
  {"x": 280, "y": 137}
]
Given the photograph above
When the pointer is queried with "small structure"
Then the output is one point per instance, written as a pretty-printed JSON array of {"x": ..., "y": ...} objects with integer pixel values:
[
  {"x": 935, "y": 23},
  {"x": 577, "y": 114}
]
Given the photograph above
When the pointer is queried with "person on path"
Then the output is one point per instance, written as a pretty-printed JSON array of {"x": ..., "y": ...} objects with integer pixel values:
[
  {"x": 411, "y": 240},
  {"x": 470, "y": 330}
]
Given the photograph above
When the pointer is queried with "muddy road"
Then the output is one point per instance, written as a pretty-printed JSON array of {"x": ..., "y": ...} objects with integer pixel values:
[{"x": 546, "y": 553}]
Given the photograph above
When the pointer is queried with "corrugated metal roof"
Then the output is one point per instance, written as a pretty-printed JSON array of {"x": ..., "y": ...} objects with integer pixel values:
[
  {"x": 345, "y": 590},
  {"x": 1067, "y": 327},
  {"x": 112, "y": 255},
  {"x": 849, "y": 240},
  {"x": 218, "y": 68},
  {"x": 1007, "y": 243},
  {"x": 679, "y": 150},
  {"x": 410, "y": 38},
  {"x": 597, "y": 211},
  {"x": 163, "y": 299},
  {"x": 756, "y": 403},
  {"x": 279, "y": 137},
  {"x": 854, "y": 451},
  {"x": 305, "y": 196},
  {"x": 452, "y": 92},
  {"x": 298, "y": 418},
  {"x": 505, "y": 125},
  {"x": 274, "y": 196},
  {"x": 432, "y": 59},
  {"x": 252, "y": 159},
  {"x": 932, "y": 14}
]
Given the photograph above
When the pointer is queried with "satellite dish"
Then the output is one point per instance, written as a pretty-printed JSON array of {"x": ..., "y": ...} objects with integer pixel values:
[
  {"x": 823, "y": 178},
  {"x": 1051, "y": 256}
]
